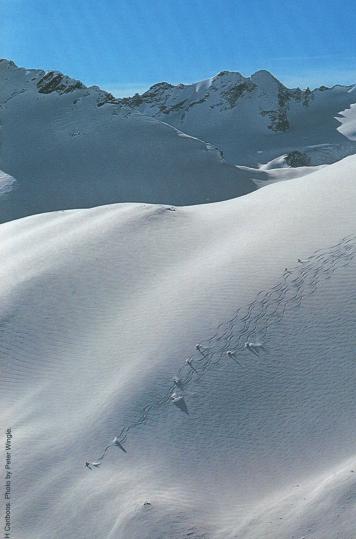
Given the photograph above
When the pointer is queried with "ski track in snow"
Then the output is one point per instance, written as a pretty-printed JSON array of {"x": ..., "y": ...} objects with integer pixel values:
[{"x": 250, "y": 325}]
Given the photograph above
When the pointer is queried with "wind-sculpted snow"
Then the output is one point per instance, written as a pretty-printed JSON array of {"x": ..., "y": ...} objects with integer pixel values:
[
  {"x": 246, "y": 332},
  {"x": 204, "y": 372},
  {"x": 347, "y": 119}
]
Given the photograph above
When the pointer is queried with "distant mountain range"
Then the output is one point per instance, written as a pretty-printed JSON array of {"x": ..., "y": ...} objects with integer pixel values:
[
  {"x": 254, "y": 120},
  {"x": 67, "y": 146},
  {"x": 64, "y": 145}
]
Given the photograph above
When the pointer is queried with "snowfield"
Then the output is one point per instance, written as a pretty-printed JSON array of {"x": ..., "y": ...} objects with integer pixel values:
[{"x": 100, "y": 310}]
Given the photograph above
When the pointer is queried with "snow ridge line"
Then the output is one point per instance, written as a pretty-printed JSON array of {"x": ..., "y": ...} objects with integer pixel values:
[{"x": 247, "y": 330}]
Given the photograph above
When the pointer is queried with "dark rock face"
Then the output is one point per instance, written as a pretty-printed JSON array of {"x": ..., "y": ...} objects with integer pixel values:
[
  {"x": 279, "y": 121},
  {"x": 53, "y": 81},
  {"x": 297, "y": 159},
  {"x": 233, "y": 94},
  {"x": 56, "y": 82},
  {"x": 278, "y": 118},
  {"x": 106, "y": 97}
]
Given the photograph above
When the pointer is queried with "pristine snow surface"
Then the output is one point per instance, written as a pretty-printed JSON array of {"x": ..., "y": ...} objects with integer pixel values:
[{"x": 100, "y": 308}]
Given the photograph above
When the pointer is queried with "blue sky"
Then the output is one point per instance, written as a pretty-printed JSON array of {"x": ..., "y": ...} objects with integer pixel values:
[{"x": 127, "y": 45}]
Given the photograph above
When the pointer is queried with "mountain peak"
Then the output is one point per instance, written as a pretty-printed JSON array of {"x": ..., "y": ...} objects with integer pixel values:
[
  {"x": 160, "y": 86},
  {"x": 226, "y": 74},
  {"x": 9, "y": 63},
  {"x": 263, "y": 77}
]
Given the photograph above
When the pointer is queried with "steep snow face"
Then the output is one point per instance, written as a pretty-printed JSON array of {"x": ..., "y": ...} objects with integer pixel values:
[
  {"x": 6, "y": 182},
  {"x": 101, "y": 308},
  {"x": 254, "y": 119},
  {"x": 69, "y": 146},
  {"x": 347, "y": 118}
]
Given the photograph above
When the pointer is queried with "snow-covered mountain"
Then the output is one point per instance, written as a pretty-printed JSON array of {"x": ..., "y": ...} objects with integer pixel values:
[
  {"x": 101, "y": 308},
  {"x": 63, "y": 145},
  {"x": 67, "y": 146},
  {"x": 255, "y": 119}
]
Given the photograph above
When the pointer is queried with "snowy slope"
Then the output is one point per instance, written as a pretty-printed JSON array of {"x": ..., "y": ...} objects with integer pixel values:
[
  {"x": 99, "y": 310},
  {"x": 254, "y": 119},
  {"x": 347, "y": 118},
  {"x": 68, "y": 146}
]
